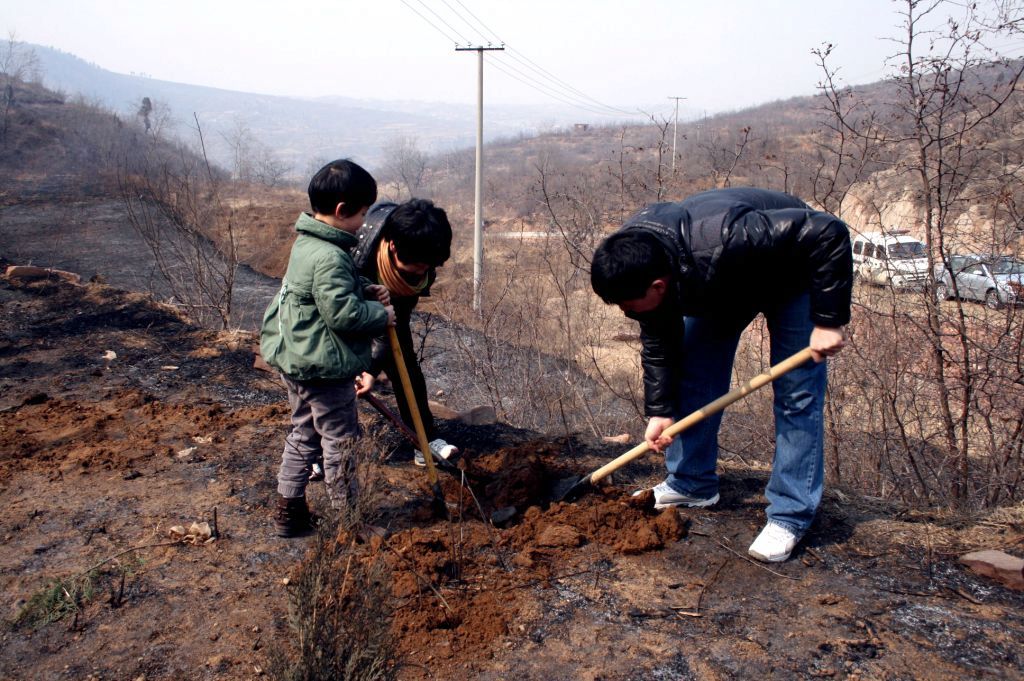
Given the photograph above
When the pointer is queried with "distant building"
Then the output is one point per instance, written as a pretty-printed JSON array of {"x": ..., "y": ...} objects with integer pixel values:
[{"x": 581, "y": 127}]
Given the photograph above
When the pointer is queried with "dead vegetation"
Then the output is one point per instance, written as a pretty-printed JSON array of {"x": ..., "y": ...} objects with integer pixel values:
[{"x": 924, "y": 457}]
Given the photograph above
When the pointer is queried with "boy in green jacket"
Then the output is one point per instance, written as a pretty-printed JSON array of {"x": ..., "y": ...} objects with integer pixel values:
[{"x": 318, "y": 332}]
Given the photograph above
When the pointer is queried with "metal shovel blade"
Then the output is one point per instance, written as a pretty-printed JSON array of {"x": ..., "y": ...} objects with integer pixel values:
[{"x": 571, "y": 489}]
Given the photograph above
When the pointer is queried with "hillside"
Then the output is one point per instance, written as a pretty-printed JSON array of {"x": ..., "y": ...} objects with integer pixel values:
[
  {"x": 298, "y": 131},
  {"x": 120, "y": 420},
  {"x": 104, "y": 452}
]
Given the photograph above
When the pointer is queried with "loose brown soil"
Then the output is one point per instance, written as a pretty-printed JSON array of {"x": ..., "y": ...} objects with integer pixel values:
[{"x": 101, "y": 453}]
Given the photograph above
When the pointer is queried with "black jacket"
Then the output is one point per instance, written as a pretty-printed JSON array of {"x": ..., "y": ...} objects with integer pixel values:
[
  {"x": 365, "y": 257},
  {"x": 735, "y": 251}
]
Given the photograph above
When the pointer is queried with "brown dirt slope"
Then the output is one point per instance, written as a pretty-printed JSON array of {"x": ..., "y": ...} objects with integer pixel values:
[{"x": 118, "y": 421}]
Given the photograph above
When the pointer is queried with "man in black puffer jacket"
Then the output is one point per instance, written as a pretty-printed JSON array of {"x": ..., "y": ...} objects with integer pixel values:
[{"x": 694, "y": 274}]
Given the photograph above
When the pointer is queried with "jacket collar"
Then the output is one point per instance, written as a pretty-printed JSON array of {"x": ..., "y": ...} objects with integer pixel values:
[{"x": 306, "y": 224}]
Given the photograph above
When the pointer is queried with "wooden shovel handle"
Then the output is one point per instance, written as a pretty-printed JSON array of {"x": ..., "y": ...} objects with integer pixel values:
[
  {"x": 386, "y": 412},
  {"x": 761, "y": 380},
  {"x": 414, "y": 409}
]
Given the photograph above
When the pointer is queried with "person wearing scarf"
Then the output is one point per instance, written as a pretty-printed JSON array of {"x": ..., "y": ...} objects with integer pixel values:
[{"x": 401, "y": 247}]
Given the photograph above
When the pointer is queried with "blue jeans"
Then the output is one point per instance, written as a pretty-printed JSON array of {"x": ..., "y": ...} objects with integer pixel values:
[{"x": 795, "y": 487}]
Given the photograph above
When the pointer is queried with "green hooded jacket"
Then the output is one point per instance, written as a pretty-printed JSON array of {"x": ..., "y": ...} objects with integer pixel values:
[{"x": 319, "y": 326}]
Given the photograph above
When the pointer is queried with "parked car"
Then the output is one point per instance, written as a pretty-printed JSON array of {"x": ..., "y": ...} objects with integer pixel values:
[
  {"x": 890, "y": 259},
  {"x": 993, "y": 280}
]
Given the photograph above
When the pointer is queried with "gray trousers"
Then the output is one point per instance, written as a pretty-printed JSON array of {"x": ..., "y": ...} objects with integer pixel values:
[{"x": 325, "y": 421}]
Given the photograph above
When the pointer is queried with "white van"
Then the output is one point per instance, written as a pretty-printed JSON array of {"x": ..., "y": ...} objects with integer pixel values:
[{"x": 890, "y": 259}]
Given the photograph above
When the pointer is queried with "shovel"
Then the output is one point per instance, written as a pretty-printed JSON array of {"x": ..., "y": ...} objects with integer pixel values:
[
  {"x": 384, "y": 410},
  {"x": 439, "y": 505},
  {"x": 572, "y": 488}
]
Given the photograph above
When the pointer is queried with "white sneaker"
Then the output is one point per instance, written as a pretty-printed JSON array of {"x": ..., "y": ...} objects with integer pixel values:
[
  {"x": 440, "y": 448},
  {"x": 316, "y": 472},
  {"x": 774, "y": 544},
  {"x": 666, "y": 497}
]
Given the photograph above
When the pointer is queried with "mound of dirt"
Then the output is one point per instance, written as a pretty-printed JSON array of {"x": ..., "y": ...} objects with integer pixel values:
[
  {"x": 465, "y": 583},
  {"x": 612, "y": 522}
]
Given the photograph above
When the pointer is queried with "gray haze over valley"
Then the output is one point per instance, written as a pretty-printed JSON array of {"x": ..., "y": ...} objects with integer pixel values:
[{"x": 299, "y": 132}]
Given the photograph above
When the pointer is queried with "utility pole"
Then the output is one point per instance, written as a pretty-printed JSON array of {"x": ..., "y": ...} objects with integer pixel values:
[
  {"x": 478, "y": 222},
  {"x": 675, "y": 128}
]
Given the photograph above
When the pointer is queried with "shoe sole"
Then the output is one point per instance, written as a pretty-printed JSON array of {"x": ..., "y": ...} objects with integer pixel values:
[
  {"x": 689, "y": 504},
  {"x": 450, "y": 459},
  {"x": 295, "y": 534},
  {"x": 768, "y": 559}
]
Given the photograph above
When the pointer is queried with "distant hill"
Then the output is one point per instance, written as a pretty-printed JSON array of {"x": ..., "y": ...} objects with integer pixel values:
[{"x": 299, "y": 131}]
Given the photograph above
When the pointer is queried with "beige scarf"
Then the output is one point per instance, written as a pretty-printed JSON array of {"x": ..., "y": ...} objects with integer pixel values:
[{"x": 389, "y": 276}]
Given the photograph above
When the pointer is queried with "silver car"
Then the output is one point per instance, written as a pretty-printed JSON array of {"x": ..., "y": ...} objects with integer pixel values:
[{"x": 995, "y": 280}]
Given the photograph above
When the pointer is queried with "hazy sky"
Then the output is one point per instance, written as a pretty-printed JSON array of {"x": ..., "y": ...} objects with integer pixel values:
[{"x": 719, "y": 54}]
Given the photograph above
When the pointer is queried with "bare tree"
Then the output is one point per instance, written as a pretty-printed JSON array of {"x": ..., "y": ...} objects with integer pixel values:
[
  {"x": 18, "y": 64},
  {"x": 405, "y": 164},
  {"x": 174, "y": 200},
  {"x": 951, "y": 393},
  {"x": 251, "y": 160}
]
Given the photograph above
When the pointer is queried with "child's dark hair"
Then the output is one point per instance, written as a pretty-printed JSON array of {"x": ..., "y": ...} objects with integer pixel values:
[
  {"x": 626, "y": 264},
  {"x": 420, "y": 231},
  {"x": 342, "y": 181}
]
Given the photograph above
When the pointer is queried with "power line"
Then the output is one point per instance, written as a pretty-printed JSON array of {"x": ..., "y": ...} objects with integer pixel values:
[
  {"x": 537, "y": 68},
  {"x": 471, "y": 27},
  {"x": 432, "y": 25},
  {"x": 515, "y": 54},
  {"x": 508, "y": 69},
  {"x": 441, "y": 19},
  {"x": 468, "y": 11},
  {"x": 559, "y": 89}
]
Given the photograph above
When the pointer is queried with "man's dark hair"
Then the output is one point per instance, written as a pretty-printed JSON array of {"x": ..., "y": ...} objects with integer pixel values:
[
  {"x": 342, "y": 181},
  {"x": 420, "y": 231},
  {"x": 626, "y": 264}
]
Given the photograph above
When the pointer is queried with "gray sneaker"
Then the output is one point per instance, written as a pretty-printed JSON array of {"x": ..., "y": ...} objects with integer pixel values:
[{"x": 666, "y": 497}]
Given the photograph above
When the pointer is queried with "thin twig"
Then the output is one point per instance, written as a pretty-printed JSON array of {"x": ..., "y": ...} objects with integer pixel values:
[
  {"x": 711, "y": 581},
  {"x": 348, "y": 568},
  {"x": 966, "y": 596},
  {"x": 753, "y": 562},
  {"x": 686, "y": 613}
]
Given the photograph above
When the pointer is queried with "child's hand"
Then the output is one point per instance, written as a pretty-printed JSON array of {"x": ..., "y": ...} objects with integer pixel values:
[
  {"x": 364, "y": 383},
  {"x": 379, "y": 293},
  {"x": 391, "y": 314}
]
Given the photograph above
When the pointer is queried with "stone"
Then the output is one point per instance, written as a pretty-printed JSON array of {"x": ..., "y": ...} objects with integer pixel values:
[
  {"x": 616, "y": 439},
  {"x": 503, "y": 515},
  {"x": 555, "y": 536},
  {"x": 483, "y": 415},
  {"x": 441, "y": 411},
  {"x": 1002, "y": 567},
  {"x": 260, "y": 364},
  {"x": 31, "y": 273}
]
